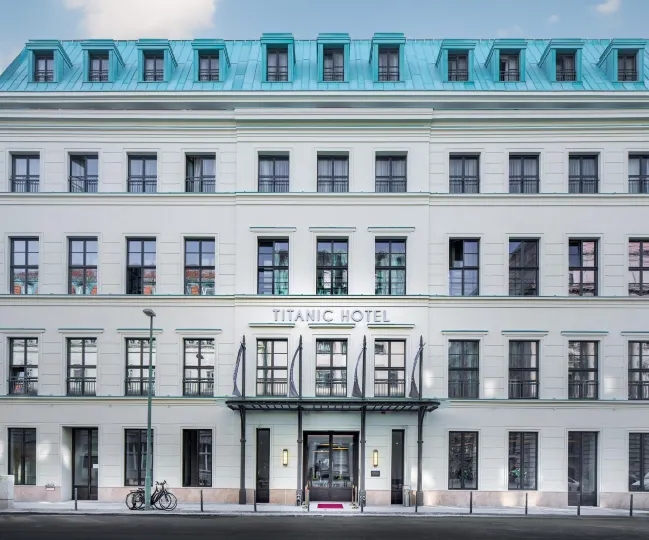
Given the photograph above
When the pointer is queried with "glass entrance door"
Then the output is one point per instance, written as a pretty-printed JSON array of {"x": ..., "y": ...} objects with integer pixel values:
[
  {"x": 397, "y": 467},
  {"x": 331, "y": 465},
  {"x": 85, "y": 463},
  {"x": 582, "y": 468},
  {"x": 263, "y": 465}
]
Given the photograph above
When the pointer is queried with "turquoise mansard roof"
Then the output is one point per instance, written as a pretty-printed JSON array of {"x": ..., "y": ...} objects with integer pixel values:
[{"x": 245, "y": 73}]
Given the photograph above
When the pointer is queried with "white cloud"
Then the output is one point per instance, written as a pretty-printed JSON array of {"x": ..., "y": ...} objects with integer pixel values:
[
  {"x": 133, "y": 19},
  {"x": 552, "y": 19},
  {"x": 608, "y": 7},
  {"x": 511, "y": 31}
]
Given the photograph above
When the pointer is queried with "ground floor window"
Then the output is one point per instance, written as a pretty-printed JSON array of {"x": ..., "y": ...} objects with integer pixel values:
[
  {"x": 22, "y": 456},
  {"x": 197, "y": 458},
  {"x": 639, "y": 462},
  {"x": 463, "y": 460},
  {"x": 522, "y": 460},
  {"x": 135, "y": 457}
]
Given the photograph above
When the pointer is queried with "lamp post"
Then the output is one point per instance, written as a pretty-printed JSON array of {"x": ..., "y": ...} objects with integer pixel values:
[{"x": 149, "y": 451}]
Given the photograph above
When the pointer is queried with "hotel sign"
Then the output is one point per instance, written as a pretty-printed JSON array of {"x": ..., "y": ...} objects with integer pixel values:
[{"x": 331, "y": 315}]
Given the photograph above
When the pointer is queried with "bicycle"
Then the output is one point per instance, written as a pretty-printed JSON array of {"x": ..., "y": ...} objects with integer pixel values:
[{"x": 161, "y": 498}]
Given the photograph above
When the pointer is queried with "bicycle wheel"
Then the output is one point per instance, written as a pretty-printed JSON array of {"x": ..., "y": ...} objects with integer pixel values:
[
  {"x": 131, "y": 502},
  {"x": 168, "y": 501}
]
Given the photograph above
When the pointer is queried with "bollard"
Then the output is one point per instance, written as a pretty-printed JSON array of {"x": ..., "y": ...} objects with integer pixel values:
[
  {"x": 201, "y": 500},
  {"x": 579, "y": 503},
  {"x": 254, "y": 499},
  {"x": 631, "y": 505},
  {"x": 416, "y": 503},
  {"x": 75, "y": 498},
  {"x": 526, "y": 504},
  {"x": 470, "y": 502}
]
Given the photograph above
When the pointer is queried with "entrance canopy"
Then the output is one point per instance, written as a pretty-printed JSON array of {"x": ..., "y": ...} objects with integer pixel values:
[{"x": 332, "y": 404}]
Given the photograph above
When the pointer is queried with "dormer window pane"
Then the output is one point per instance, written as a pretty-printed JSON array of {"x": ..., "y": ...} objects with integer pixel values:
[
  {"x": 334, "y": 64},
  {"x": 154, "y": 67},
  {"x": 566, "y": 67},
  {"x": 626, "y": 66},
  {"x": 98, "y": 67},
  {"x": 44, "y": 67},
  {"x": 509, "y": 67},
  {"x": 208, "y": 67},
  {"x": 388, "y": 64},
  {"x": 277, "y": 65},
  {"x": 458, "y": 67}
]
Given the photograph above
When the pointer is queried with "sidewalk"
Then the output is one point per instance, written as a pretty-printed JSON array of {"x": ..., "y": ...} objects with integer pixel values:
[{"x": 194, "y": 509}]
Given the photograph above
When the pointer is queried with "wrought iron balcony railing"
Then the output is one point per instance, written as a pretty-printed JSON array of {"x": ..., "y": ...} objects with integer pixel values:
[
  {"x": 388, "y": 74},
  {"x": 143, "y": 184},
  {"x": 523, "y": 184},
  {"x": 391, "y": 185},
  {"x": 200, "y": 184},
  {"x": 198, "y": 387},
  {"x": 273, "y": 185},
  {"x": 272, "y": 387},
  {"x": 138, "y": 386},
  {"x": 81, "y": 387},
  {"x": 638, "y": 389},
  {"x": 277, "y": 74},
  {"x": 510, "y": 75},
  {"x": 387, "y": 388},
  {"x": 332, "y": 74},
  {"x": 458, "y": 75},
  {"x": 583, "y": 389},
  {"x": 638, "y": 184},
  {"x": 205, "y": 75},
  {"x": 463, "y": 389},
  {"x": 154, "y": 75},
  {"x": 25, "y": 184},
  {"x": 566, "y": 75},
  {"x": 333, "y": 388},
  {"x": 523, "y": 389},
  {"x": 627, "y": 75},
  {"x": 25, "y": 386},
  {"x": 464, "y": 184},
  {"x": 98, "y": 75},
  {"x": 84, "y": 184},
  {"x": 333, "y": 186},
  {"x": 583, "y": 184},
  {"x": 44, "y": 75}
]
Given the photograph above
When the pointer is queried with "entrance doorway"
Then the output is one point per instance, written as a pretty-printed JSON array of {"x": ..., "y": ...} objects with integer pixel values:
[
  {"x": 331, "y": 465},
  {"x": 85, "y": 463},
  {"x": 396, "y": 496},
  {"x": 582, "y": 468},
  {"x": 263, "y": 465}
]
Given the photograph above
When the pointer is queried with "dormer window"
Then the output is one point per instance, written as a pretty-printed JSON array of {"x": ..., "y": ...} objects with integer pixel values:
[
  {"x": 566, "y": 70},
  {"x": 44, "y": 67},
  {"x": 277, "y": 64},
  {"x": 627, "y": 69},
  {"x": 458, "y": 67},
  {"x": 209, "y": 66},
  {"x": 388, "y": 64},
  {"x": 333, "y": 64},
  {"x": 98, "y": 68},
  {"x": 509, "y": 67},
  {"x": 154, "y": 66}
]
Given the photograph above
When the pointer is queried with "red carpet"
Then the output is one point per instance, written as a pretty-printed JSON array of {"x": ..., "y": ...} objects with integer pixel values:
[{"x": 330, "y": 505}]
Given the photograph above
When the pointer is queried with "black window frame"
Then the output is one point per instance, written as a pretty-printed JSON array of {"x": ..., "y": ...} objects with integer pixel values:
[
  {"x": 387, "y": 72},
  {"x": 22, "y": 381},
  {"x": 277, "y": 73},
  {"x": 84, "y": 267},
  {"x": 393, "y": 182},
  {"x": 330, "y": 386},
  {"x": 85, "y": 183},
  {"x": 278, "y": 183},
  {"x": 323, "y": 266},
  {"x": 192, "y": 455},
  {"x": 390, "y": 268},
  {"x": 81, "y": 386},
  {"x": 26, "y": 183},
  {"x": 638, "y": 377},
  {"x": 581, "y": 268},
  {"x": 139, "y": 386},
  {"x": 389, "y": 385},
  {"x": 101, "y": 74},
  {"x": 461, "y": 387},
  {"x": 335, "y": 73},
  {"x": 199, "y": 183},
  {"x": 508, "y": 74},
  {"x": 47, "y": 74},
  {"x": 524, "y": 183},
  {"x": 583, "y": 389},
  {"x": 464, "y": 269},
  {"x": 333, "y": 183},
  {"x": 639, "y": 183},
  {"x": 519, "y": 274},
  {"x": 131, "y": 278},
  {"x": 463, "y": 458},
  {"x": 210, "y": 74},
  {"x": 562, "y": 73},
  {"x": 275, "y": 267},
  {"x": 625, "y": 74},
  {"x": 157, "y": 74},
  {"x": 22, "y": 434},
  {"x": 639, "y": 287},
  {"x": 519, "y": 387},
  {"x": 642, "y": 462},
  {"x": 522, "y": 439},
  {"x": 577, "y": 183},
  {"x": 27, "y": 267},
  {"x": 141, "y": 455},
  {"x": 201, "y": 385},
  {"x": 142, "y": 183},
  {"x": 456, "y": 74},
  {"x": 464, "y": 183},
  {"x": 272, "y": 386},
  {"x": 200, "y": 267}
]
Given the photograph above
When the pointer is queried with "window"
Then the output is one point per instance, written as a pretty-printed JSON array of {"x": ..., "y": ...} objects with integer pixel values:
[
  {"x": 199, "y": 362},
  {"x": 82, "y": 366},
  {"x": 583, "y": 268},
  {"x": 509, "y": 67},
  {"x": 464, "y": 174},
  {"x": 272, "y": 267},
  {"x": 333, "y": 64},
  {"x": 464, "y": 267},
  {"x": 84, "y": 176},
  {"x": 25, "y": 176},
  {"x": 272, "y": 367},
  {"x": 391, "y": 174},
  {"x": 44, "y": 67},
  {"x": 277, "y": 64},
  {"x": 390, "y": 267},
  {"x": 273, "y": 174},
  {"x": 200, "y": 269},
  {"x": 23, "y": 366},
  {"x": 583, "y": 174},
  {"x": 522, "y": 460},
  {"x": 201, "y": 174},
  {"x": 388, "y": 64},
  {"x": 626, "y": 66},
  {"x": 142, "y": 174},
  {"x": 523, "y": 267},
  {"x": 463, "y": 460},
  {"x": 154, "y": 67},
  {"x": 638, "y": 174},
  {"x": 583, "y": 375},
  {"x": 639, "y": 267},
  {"x": 523, "y": 370},
  {"x": 639, "y": 370},
  {"x": 24, "y": 265},
  {"x": 141, "y": 266},
  {"x": 463, "y": 369},
  {"x": 22, "y": 456},
  {"x": 566, "y": 71},
  {"x": 135, "y": 456},
  {"x": 389, "y": 368},
  {"x": 331, "y": 271},
  {"x": 208, "y": 66},
  {"x": 137, "y": 367},
  {"x": 333, "y": 174},
  {"x": 638, "y": 461},
  {"x": 523, "y": 174},
  {"x": 331, "y": 368},
  {"x": 197, "y": 458},
  {"x": 458, "y": 67},
  {"x": 98, "y": 68},
  {"x": 83, "y": 266}
]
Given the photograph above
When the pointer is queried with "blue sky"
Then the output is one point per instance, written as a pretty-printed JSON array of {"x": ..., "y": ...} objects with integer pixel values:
[{"x": 247, "y": 19}]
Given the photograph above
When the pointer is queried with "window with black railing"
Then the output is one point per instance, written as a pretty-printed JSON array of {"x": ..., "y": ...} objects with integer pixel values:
[
  {"x": 463, "y": 369},
  {"x": 458, "y": 67},
  {"x": 463, "y": 460},
  {"x": 273, "y": 174},
  {"x": 639, "y": 267},
  {"x": 331, "y": 368},
  {"x": 82, "y": 265},
  {"x": 82, "y": 366},
  {"x": 333, "y": 174},
  {"x": 523, "y": 267},
  {"x": 272, "y": 267},
  {"x": 142, "y": 174},
  {"x": 638, "y": 461},
  {"x": 137, "y": 367},
  {"x": 197, "y": 458},
  {"x": 627, "y": 66},
  {"x": 21, "y": 452},
  {"x": 154, "y": 67},
  {"x": 24, "y": 265},
  {"x": 201, "y": 174},
  {"x": 98, "y": 67},
  {"x": 277, "y": 64},
  {"x": 639, "y": 174},
  {"x": 523, "y": 370},
  {"x": 331, "y": 266},
  {"x": 389, "y": 267},
  {"x": 333, "y": 69},
  {"x": 84, "y": 173},
  {"x": 135, "y": 452},
  {"x": 140, "y": 266},
  {"x": 464, "y": 267},
  {"x": 200, "y": 266},
  {"x": 388, "y": 64},
  {"x": 391, "y": 174},
  {"x": 523, "y": 459},
  {"x": 523, "y": 174},
  {"x": 389, "y": 368},
  {"x": 510, "y": 67},
  {"x": 272, "y": 367},
  {"x": 583, "y": 176},
  {"x": 25, "y": 173},
  {"x": 566, "y": 70},
  {"x": 23, "y": 366},
  {"x": 199, "y": 362},
  {"x": 208, "y": 67},
  {"x": 639, "y": 370},
  {"x": 583, "y": 370},
  {"x": 44, "y": 67},
  {"x": 464, "y": 174},
  {"x": 582, "y": 270}
]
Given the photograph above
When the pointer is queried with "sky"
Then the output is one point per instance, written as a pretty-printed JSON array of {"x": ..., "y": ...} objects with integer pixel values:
[{"x": 22, "y": 20}]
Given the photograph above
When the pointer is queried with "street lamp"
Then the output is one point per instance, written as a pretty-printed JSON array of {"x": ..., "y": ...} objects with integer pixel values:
[{"x": 149, "y": 451}]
